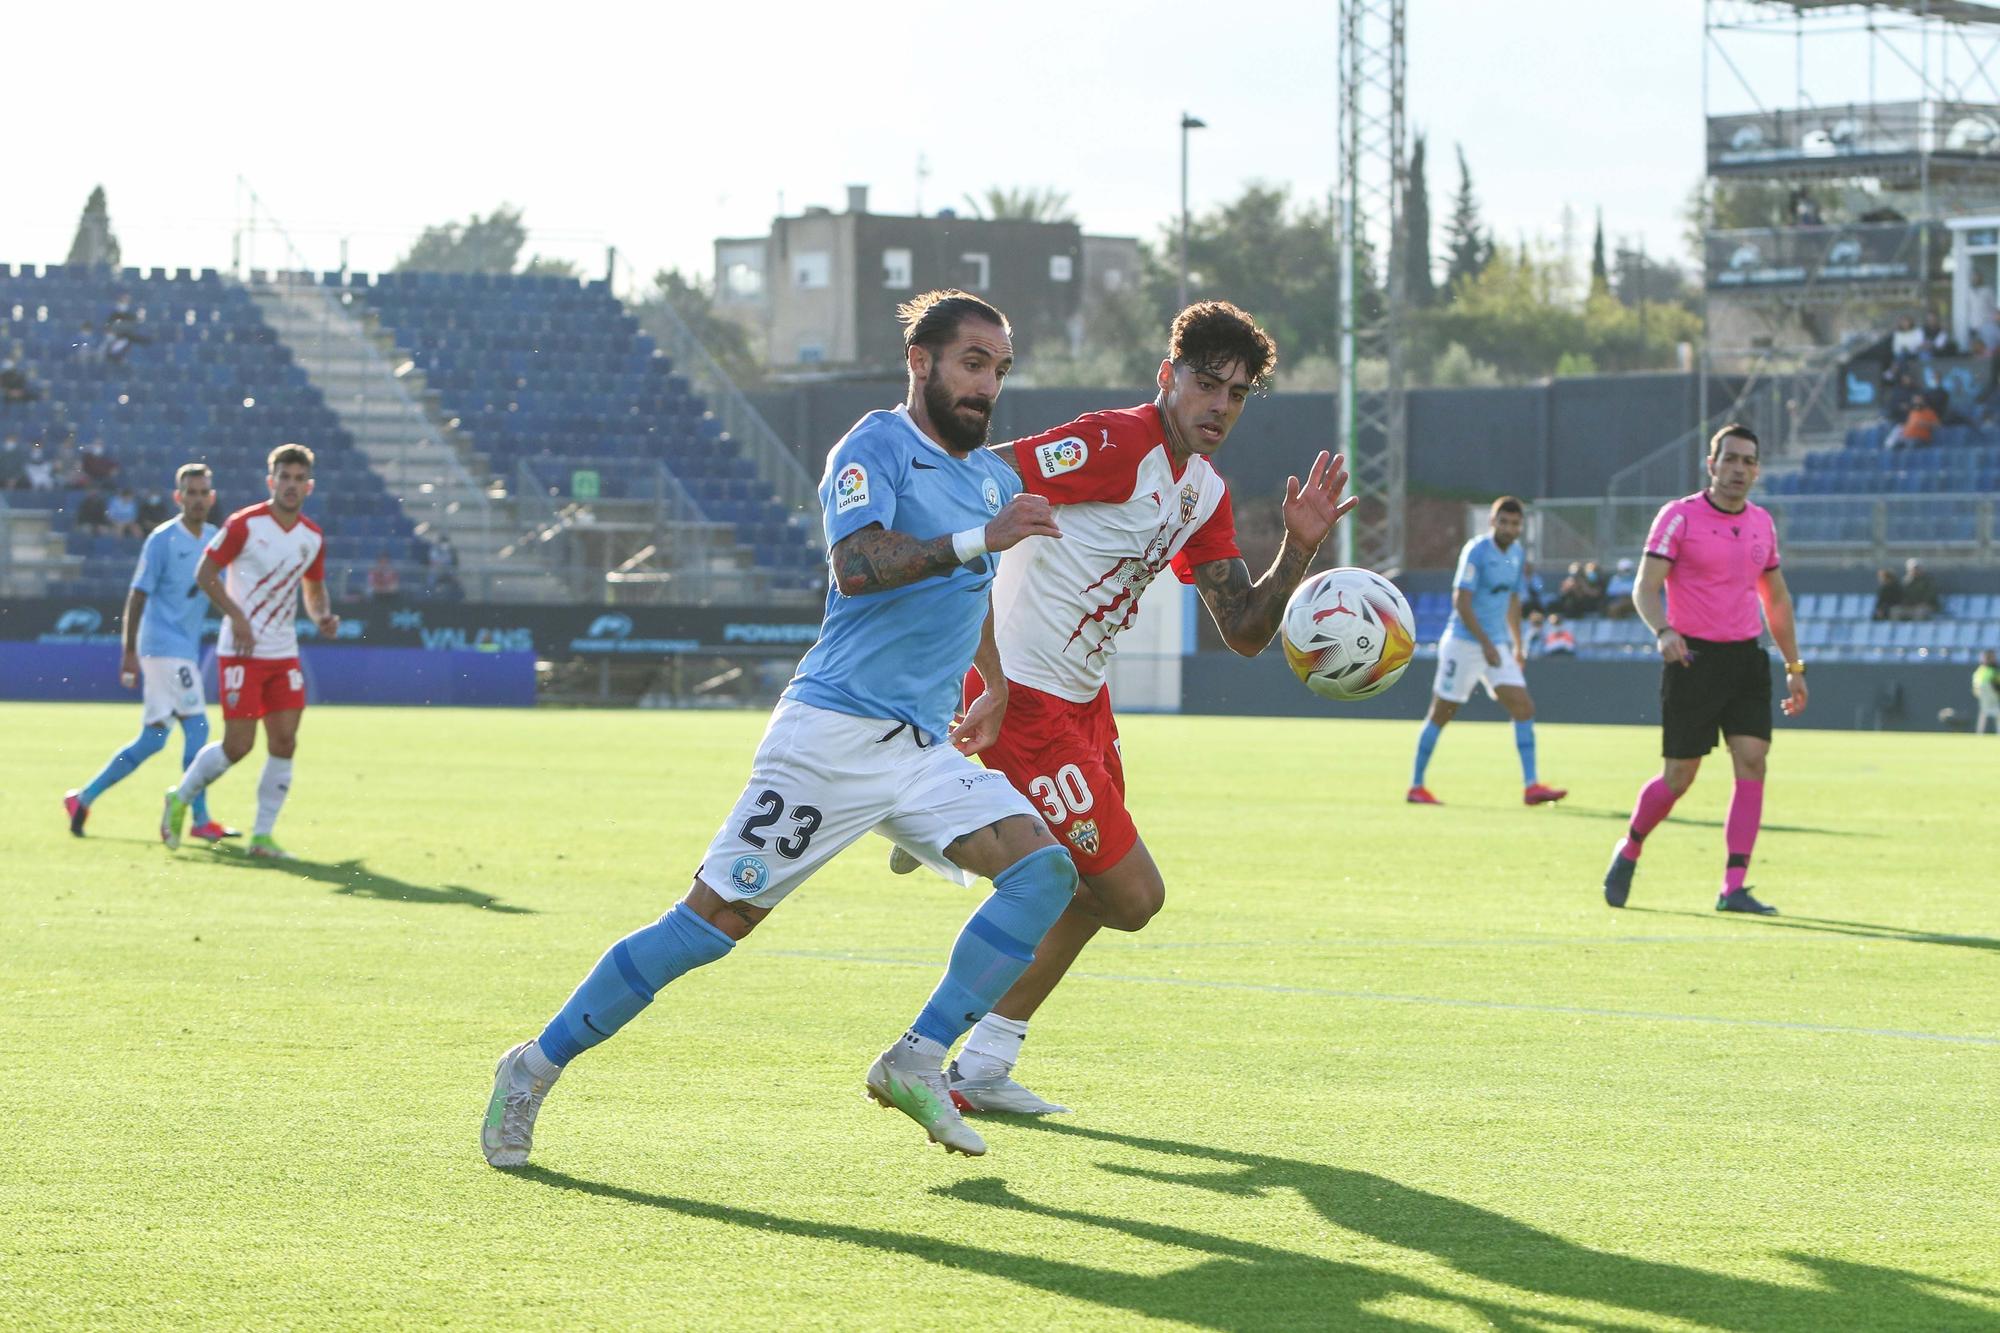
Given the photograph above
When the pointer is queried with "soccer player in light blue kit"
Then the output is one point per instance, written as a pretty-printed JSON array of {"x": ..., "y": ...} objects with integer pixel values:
[
  {"x": 863, "y": 739},
  {"x": 1486, "y": 593},
  {"x": 162, "y": 648}
]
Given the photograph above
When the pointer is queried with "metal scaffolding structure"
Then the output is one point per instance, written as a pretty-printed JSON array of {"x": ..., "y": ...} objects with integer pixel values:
[{"x": 1372, "y": 182}]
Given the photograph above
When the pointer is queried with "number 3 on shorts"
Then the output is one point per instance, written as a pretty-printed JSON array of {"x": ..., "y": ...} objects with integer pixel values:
[
  {"x": 1063, "y": 795},
  {"x": 295, "y": 678}
]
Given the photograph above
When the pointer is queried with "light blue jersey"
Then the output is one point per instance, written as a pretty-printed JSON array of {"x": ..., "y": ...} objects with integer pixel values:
[
  {"x": 1494, "y": 576},
  {"x": 170, "y": 626},
  {"x": 903, "y": 654}
]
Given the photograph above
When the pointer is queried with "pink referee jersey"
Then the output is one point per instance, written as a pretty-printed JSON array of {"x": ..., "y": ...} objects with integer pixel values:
[{"x": 1717, "y": 559}]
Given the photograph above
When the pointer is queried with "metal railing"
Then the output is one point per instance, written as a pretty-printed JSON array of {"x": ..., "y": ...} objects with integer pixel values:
[{"x": 1824, "y": 531}]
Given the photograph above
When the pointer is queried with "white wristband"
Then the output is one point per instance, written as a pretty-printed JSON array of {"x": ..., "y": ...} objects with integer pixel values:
[{"x": 968, "y": 545}]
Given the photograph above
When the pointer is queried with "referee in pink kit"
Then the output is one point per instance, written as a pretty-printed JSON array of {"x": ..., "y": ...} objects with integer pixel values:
[{"x": 1716, "y": 556}]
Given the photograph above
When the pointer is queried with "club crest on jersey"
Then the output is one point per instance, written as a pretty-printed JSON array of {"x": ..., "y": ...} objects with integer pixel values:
[
  {"x": 850, "y": 488},
  {"x": 990, "y": 493},
  {"x": 1190, "y": 498},
  {"x": 1084, "y": 834},
  {"x": 1060, "y": 456},
  {"x": 750, "y": 874}
]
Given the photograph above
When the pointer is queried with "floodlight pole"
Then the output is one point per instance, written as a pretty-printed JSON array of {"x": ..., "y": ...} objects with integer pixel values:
[{"x": 1187, "y": 123}]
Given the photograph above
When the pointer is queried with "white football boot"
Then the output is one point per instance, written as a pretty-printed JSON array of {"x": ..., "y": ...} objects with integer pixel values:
[
  {"x": 509, "y": 1130},
  {"x": 999, "y": 1094},
  {"x": 914, "y": 1085}
]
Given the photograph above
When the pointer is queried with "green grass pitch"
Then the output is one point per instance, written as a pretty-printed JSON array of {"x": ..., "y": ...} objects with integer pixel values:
[{"x": 1375, "y": 1066}]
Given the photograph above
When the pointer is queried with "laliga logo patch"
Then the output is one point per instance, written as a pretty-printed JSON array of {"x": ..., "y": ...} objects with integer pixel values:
[
  {"x": 1189, "y": 499},
  {"x": 1060, "y": 456},
  {"x": 991, "y": 494},
  {"x": 1084, "y": 834},
  {"x": 850, "y": 488},
  {"x": 750, "y": 874}
]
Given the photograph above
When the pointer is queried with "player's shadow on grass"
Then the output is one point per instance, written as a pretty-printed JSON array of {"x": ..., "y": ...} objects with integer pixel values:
[
  {"x": 1859, "y": 929},
  {"x": 1251, "y": 1285},
  {"x": 356, "y": 880},
  {"x": 1624, "y": 816}
]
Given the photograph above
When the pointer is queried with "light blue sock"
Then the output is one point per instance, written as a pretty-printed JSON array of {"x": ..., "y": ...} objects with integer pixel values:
[
  {"x": 150, "y": 741},
  {"x": 998, "y": 942},
  {"x": 627, "y": 977},
  {"x": 1427, "y": 740},
  {"x": 194, "y": 735},
  {"x": 1524, "y": 741}
]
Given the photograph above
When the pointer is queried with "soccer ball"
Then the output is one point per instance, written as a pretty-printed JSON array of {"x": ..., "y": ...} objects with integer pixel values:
[{"x": 1348, "y": 633}]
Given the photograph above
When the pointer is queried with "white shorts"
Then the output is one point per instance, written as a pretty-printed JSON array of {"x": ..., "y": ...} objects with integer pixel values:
[
  {"x": 172, "y": 688},
  {"x": 1462, "y": 666},
  {"x": 822, "y": 779}
]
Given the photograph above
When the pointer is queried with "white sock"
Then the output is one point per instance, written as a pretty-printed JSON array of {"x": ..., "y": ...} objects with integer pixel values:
[
  {"x": 993, "y": 1047},
  {"x": 209, "y": 764},
  {"x": 540, "y": 1065},
  {"x": 920, "y": 1048},
  {"x": 271, "y": 790}
]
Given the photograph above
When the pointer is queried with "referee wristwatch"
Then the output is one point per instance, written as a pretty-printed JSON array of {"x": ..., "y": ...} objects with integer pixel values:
[{"x": 1795, "y": 668}]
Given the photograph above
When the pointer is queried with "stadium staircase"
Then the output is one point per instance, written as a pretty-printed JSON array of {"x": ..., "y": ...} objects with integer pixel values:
[{"x": 428, "y": 466}]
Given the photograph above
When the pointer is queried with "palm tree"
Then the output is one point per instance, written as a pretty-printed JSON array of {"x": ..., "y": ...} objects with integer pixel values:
[{"x": 1021, "y": 203}]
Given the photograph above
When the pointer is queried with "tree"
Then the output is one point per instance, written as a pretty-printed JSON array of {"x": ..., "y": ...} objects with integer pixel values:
[
  {"x": 541, "y": 266},
  {"x": 1469, "y": 249},
  {"x": 491, "y": 244},
  {"x": 1419, "y": 287},
  {"x": 95, "y": 242},
  {"x": 694, "y": 304},
  {"x": 1021, "y": 203},
  {"x": 1600, "y": 275}
]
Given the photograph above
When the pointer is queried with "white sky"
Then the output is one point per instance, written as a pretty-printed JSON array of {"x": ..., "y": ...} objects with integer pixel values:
[{"x": 658, "y": 127}]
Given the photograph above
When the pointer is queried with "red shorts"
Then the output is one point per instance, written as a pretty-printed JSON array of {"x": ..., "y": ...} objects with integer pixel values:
[
  {"x": 255, "y": 686},
  {"x": 1064, "y": 757}
]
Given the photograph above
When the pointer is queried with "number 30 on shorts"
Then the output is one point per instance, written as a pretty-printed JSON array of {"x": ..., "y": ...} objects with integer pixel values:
[{"x": 1063, "y": 795}]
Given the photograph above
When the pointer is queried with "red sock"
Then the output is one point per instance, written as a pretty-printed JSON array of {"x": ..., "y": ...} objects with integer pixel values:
[
  {"x": 1739, "y": 834},
  {"x": 1656, "y": 798}
]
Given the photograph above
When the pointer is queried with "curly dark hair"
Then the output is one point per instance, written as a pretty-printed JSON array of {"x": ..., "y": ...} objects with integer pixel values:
[
  {"x": 932, "y": 320},
  {"x": 1212, "y": 336}
]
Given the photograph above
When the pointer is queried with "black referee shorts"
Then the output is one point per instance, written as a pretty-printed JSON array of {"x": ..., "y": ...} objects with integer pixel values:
[{"x": 1726, "y": 691}]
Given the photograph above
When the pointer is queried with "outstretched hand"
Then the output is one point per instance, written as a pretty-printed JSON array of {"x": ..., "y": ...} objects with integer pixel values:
[
  {"x": 980, "y": 726},
  {"x": 1025, "y": 516},
  {"x": 1311, "y": 510}
]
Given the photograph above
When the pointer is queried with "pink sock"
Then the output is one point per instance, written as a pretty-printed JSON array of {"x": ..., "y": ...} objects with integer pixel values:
[
  {"x": 1739, "y": 834},
  {"x": 1656, "y": 798}
]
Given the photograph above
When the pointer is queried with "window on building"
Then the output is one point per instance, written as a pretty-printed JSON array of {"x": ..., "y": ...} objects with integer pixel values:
[
  {"x": 811, "y": 354},
  {"x": 742, "y": 273},
  {"x": 896, "y": 269},
  {"x": 976, "y": 272},
  {"x": 1061, "y": 268},
  {"x": 1114, "y": 280},
  {"x": 812, "y": 268}
]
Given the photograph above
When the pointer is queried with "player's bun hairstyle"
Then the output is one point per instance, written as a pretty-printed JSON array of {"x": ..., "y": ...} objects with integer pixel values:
[
  {"x": 187, "y": 470},
  {"x": 1212, "y": 336},
  {"x": 291, "y": 453},
  {"x": 931, "y": 321},
  {"x": 1508, "y": 504},
  {"x": 1740, "y": 431}
]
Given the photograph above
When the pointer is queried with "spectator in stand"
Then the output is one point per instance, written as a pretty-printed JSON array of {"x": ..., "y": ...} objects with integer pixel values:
[
  {"x": 1578, "y": 597},
  {"x": 384, "y": 583},
  {"x": 92, "y": 514},
  {"x": 1901, "y": 391},
  {"x": 123, "y": 511},
  {"x": 69, "y": 467},
  {"x": 14, "y": 386},
  {"x": 1618, "y": 593},
  {"x": 1805, "y": 213},
  {"x": 1917, "y": 428},
  {"x": 1888, "y": 592},
  {"x": 87, "y": 347},
  {"x": 1937, "y": 338},
  {"x": 1557, "y": 638},
  {"x": 1981, "y": 317},
  {"x": 1918, "y": 599},
  {"x": 442, "y": 555},
  {"x": 1906, "y": 341},
  {"x": 41, "y": 469},
  {"x": 1598, "y": 578},
  {"x": 99, "y": 467},
  {"x": 445, "y": 587},
  {"x": 153, "y": 511},
  {"x": 121, "y": 329},
  {"x": 13, "y": 464},
  {"x": 1986, "y": 692}
]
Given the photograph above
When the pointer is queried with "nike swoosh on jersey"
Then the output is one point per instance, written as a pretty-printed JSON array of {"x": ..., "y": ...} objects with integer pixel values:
[{"x": 928, "y": 467}]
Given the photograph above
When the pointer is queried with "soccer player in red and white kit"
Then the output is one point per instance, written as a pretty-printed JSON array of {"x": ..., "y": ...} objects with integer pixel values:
[
  {"x": 1135, "y": 494},
  {"x": 1715, "y": 555},
  {"x": 273, "y": 555}
]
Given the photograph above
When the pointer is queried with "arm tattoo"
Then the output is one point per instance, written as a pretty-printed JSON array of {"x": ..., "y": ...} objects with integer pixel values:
[
  {"x": 876, "y": 559},
  {"x": 1248, "y": 613}
]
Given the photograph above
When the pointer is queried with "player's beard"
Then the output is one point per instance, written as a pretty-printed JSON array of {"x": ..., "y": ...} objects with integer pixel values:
[{"x": 942, "y": 407}]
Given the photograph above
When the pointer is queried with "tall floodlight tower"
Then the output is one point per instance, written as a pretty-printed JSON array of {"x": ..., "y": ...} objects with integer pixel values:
[{"x": 1373, "y": 171}]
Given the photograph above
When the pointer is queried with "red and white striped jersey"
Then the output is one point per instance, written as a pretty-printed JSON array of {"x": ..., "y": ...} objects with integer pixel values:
[
  {"x": 1125, "y": 514},
  {"x": 266, "y": 562}
]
